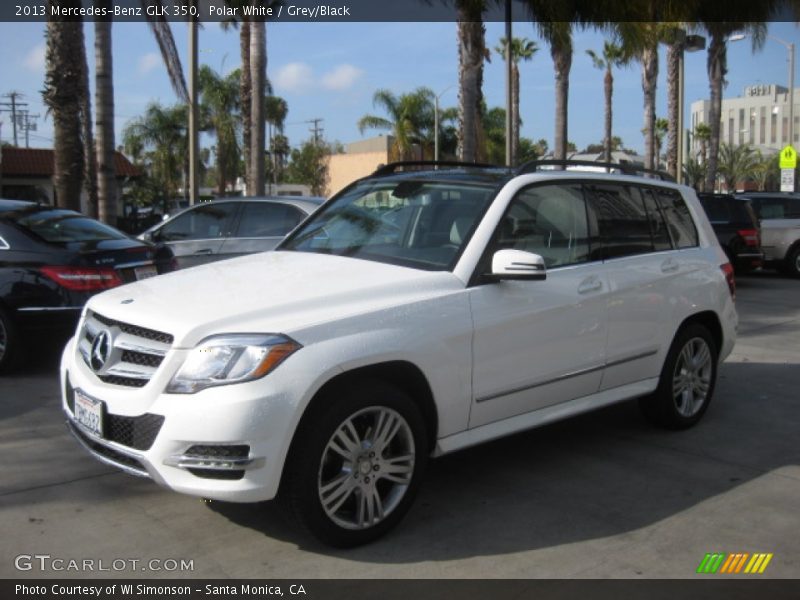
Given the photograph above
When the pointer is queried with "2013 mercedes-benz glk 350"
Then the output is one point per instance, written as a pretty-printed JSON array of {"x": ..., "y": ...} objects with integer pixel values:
[{"x": 420, "y": 311}]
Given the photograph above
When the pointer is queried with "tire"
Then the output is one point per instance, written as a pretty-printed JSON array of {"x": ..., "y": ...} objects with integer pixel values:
[
  {"x": 10, "y": 343},
  {"x": 791, "y": 265},
  {"x": 355, "y": 463},
  {"x": 687, "y": 380}
]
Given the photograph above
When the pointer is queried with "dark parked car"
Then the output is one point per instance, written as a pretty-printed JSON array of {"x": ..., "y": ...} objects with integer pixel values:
[
  {"x": 736, "y": 226},
  {"x": 230, "y": 227},
  {"x": 51, "y": 261},
  {"x": 779, "y": 214}
]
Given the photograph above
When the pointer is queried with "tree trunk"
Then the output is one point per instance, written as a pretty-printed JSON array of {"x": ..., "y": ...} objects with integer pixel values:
[
  {"x": 608, "y": 85},
  {"x": 674, "y": 57},
  {"x": 515, "y": 120},
  {"x": 104, "y": 107},
  {"x": 245, "y": 92},
  {"x": 562, "y": 61},
  {"x": 62, "y": 95},
  {"x": 471, "y": 53},
  {"x": 649, "y": 81},
  {"x": 258, "y": 74},
  {"x": 717, "y": 68},
  {"x": 89, "y": 160}
]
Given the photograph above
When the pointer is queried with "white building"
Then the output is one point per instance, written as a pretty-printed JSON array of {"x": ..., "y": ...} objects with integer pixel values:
[{"x": 759, "y": 117}]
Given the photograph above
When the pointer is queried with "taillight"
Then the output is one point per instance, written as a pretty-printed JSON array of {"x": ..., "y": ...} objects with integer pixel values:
[
  {"x": 727, "y": 269},
  {"x": 82, "y": 279},
  {"x": 750, "y": 236}
]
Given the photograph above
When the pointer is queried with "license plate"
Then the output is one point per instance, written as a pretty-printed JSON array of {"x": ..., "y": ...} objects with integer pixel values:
[
  {"x": 89, "y": 413},
  {"x": 145, "y": 272}
]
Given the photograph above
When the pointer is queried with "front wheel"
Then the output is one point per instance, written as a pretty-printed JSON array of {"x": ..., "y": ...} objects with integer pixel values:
[
  {"x": 687, "y": 380},
  {"x": 10, "y": 344},
  {"x": 792, "y": 263},
  {"x": 355, "y": 465}
]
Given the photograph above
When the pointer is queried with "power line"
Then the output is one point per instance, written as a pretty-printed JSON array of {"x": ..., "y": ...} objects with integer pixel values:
[{"x": 12, "y": 107}]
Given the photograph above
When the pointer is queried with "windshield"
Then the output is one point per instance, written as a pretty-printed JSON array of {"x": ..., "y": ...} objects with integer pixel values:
[
  {"x": 64, "y": 226},
  {"x": 418, "y": 224}
]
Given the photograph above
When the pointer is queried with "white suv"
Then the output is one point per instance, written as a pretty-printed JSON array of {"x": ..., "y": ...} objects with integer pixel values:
[{"x": 418, "y": 312}]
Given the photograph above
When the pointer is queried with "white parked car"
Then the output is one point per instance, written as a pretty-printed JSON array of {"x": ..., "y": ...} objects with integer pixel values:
[{"x": 417, "y": 313}]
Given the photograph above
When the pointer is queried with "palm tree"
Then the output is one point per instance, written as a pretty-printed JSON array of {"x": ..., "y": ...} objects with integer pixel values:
[
  {"x": 472, "y": 52},
  {"x": 558, "y": 35},
  {"x": 89, "y": 159},
  {"x": 221, "y": 97},
  {"x": 612, "y": 56},
  {"x": 104, "y": 124},
  {"x": 764, "y": 170},
  {"x": 661, "y": 129},
  {"x": 258, "y": 77},
  {"x": 702, "y": 133},
  {"x": 160, "y": 138},
  {"x": 63, "y": 91},
  {"x": 410, "y": 119},
  {"x": 675, "y": 37},
  {"x": 694, "y": 172},
  {"x": 276, "y": 110},
  {"x": 717, "y": 66},
  {"x": 521, "y": 49},
  {"x": 735, "y": 164}
]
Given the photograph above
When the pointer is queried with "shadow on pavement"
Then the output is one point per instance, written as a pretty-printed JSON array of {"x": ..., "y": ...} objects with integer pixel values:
[{"x": 601, "y": 474}]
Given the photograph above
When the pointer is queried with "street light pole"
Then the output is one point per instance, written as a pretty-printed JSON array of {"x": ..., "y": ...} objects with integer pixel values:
[
  {"x": 436, "y": 121},
  {"x": 509, "y": 74}
]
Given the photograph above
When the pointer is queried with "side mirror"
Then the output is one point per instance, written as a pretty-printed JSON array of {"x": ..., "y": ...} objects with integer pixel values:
[{"x": 517, "y": 265}]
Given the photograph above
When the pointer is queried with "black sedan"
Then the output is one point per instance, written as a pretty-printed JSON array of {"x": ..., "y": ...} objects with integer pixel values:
[{"x": 51, "y": 261}]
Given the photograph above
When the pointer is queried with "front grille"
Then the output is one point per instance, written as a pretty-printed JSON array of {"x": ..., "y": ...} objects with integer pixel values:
[
  {"x": 219, "y": 451},
  {"x": 126, "y": 381},
  {"x": 109, "y": 453},
  {"x": 141, "y": 358},
  {"x": 136, "y": 432},
  {"x": 135, "y": 330},
  {"x": 136, "y": 353}
]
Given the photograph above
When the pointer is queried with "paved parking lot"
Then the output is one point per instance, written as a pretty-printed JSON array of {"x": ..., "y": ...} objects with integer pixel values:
[{"x": 604, "y": 495}]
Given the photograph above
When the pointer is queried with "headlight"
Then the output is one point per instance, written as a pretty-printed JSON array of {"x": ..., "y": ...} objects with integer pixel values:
[{"x": 234, "y": 358}]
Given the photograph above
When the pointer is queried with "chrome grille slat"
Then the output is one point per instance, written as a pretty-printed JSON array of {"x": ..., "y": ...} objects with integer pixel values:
[{"x": 137, "y": 352}]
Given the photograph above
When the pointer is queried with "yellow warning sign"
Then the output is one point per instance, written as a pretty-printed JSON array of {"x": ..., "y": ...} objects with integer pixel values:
[{"x": 788, "y": 158}]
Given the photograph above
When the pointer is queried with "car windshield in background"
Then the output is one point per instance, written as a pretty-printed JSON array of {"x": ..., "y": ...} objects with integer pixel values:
[
  {"x": 420, "y": 224},
  {"x": 64, "y": 226}
]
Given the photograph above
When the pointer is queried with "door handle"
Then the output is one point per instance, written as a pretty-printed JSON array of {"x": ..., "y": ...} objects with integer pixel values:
[
  {"x": 670, "y": 266},
  {"x": 592, "y": 284},
  {"x": 204, "y": 251}
]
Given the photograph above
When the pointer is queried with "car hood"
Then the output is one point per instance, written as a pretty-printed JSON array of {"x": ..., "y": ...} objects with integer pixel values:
[{"x": 270, "y": 292}]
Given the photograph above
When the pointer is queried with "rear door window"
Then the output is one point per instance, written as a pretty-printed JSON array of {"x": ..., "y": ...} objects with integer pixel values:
[
  {"x": 679, "y": 220},
  {"x": 268, "y": 219},
  {"x": 204, "y": 222},
  {"x": 622, "y": 219},
  {"x": 658, "y": 225}
]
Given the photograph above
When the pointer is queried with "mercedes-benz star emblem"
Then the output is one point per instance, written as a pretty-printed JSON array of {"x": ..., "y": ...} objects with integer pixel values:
[{"x": 101, "y": 350}]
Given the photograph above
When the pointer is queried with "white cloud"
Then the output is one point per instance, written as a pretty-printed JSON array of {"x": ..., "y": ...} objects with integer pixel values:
[
  {"x": 35, "y": 58},
  {"x": 341, "y": 78},
  {"x": 148, "y": 62},
  {"x": 295, "y": 77}
]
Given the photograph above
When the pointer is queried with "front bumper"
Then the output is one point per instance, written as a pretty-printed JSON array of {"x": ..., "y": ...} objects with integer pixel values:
[{"x": 225, "y": 443}]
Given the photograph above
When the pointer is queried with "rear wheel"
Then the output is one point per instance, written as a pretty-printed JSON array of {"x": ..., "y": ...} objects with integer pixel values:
[
  {"x": 355, "y": 465},
  {"x": 687, "y": 380},
  {"x": 792, "y": 262},
  {"x": 10, "y": 350}
]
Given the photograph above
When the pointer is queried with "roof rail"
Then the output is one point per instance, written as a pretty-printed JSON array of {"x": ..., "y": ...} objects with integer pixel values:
[
  {"x": 624, "y": 168},
  {"x": 394, "y": 167}
]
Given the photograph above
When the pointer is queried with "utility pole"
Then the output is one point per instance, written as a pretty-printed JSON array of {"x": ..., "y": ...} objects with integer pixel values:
[
  {"x": 194, "y": 133},
  {"x": 316, "y": 130},
  {"x": 28, "y": 124},
  {"x": 12, "y": 107}
]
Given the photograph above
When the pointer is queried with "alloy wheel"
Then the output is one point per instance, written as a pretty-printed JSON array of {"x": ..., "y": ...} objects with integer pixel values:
[{"x": 691, "y": 380}]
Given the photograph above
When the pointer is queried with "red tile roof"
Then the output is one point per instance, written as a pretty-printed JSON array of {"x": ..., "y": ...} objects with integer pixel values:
[{"x": 37, "y": 162}]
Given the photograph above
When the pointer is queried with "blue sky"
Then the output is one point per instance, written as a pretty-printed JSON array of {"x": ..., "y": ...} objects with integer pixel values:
[{"x": 331, "y": 71}]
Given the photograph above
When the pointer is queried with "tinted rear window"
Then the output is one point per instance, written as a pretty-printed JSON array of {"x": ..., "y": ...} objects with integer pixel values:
[
  {"x": 726, "y": 210},
  {"x": 64, "y": 226}
]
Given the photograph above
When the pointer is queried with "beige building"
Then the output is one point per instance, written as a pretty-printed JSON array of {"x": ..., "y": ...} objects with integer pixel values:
[
  {"x": 759, "y": 117},
  {"x": 358, "y": 160}
]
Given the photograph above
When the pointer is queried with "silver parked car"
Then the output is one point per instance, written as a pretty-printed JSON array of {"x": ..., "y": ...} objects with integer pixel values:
[
  {"x": 230, "y": 227},
  {"x": 779, "y": 214}
]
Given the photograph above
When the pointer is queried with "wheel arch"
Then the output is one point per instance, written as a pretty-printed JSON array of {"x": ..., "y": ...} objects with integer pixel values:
[{"x": 710, "y": 321}]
